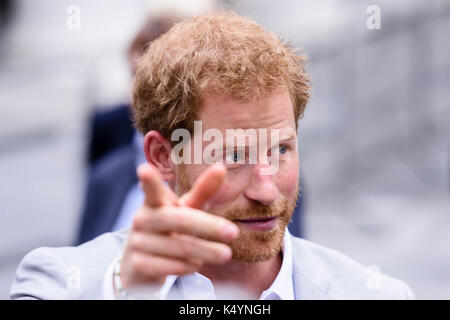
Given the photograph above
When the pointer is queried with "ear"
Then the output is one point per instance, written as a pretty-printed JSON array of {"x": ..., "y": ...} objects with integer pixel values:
[{"x": 157, "y": 152}]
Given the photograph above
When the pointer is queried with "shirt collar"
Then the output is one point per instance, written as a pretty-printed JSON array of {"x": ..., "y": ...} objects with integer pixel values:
[{"x": 281, "y": 289}]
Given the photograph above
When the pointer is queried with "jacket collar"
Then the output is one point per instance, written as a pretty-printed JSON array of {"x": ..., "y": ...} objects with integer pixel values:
[{"x": 311, "y": 280}]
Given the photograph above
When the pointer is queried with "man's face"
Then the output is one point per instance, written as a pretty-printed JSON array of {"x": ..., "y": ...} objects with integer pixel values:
[{"x": 260, "y": 204}]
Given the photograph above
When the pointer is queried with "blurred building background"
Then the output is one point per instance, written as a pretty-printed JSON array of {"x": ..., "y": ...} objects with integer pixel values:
[{"x": 374, "y": 142}]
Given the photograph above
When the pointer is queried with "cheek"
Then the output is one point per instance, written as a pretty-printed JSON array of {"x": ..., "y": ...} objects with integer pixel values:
[
  {"x": 230, "y": 190},
  {"x": 289, "y": 187},
  {"x": 287, "y": 180}
]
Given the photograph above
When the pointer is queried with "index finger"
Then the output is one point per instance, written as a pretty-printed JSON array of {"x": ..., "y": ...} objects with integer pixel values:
[
  {"x": 187, "y": 220},
  {"x": 156, "y": 193},
  {"x": 204, "y": 187}
]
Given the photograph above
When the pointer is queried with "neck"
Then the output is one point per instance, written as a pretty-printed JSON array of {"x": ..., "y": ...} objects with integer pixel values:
[{"x": 254, "y": 277}]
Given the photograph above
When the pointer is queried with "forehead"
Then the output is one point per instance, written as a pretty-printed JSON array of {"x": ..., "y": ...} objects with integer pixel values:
[{"x": 274, "y": 110}]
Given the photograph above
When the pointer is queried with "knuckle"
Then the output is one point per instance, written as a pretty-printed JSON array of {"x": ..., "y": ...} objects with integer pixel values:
[
  {"x": 139, "y": 221},
  {"x": 182, "y": 220},
  {"x": 137, "y": 263},
  {"x": 181, "y": 268},
  {"x": 186, "y": 249},
  {"x": 157, "y": 217},
  {"x": 136, "y": 242}
]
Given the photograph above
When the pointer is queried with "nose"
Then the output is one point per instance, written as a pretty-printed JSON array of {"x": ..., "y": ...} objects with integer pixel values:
[{"x": 261, "y": 187}]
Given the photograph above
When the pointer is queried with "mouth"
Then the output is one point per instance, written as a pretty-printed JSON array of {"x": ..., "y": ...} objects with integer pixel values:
[{"x": 262, "y": 224}]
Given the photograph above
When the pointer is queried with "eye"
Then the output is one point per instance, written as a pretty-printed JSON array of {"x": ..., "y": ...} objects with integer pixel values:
[
  {"x": 283, "y": 149},
  {"x": 233, "y": 157},
  {"x": 277, "y": 151}
]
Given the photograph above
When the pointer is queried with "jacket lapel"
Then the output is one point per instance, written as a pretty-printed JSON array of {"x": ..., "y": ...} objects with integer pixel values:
[{"x": 311, "y": 282}]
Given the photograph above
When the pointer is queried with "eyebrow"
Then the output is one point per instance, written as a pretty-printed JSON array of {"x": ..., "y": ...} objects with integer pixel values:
[
  {"x": 288, "y": 137},
  {"x": 235, "y": 143}
]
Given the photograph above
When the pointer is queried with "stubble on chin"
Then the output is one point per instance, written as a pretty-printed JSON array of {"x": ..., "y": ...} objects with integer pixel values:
[
  {"x": 256, "y": 245},
  {"x": 252, "y": 245}
]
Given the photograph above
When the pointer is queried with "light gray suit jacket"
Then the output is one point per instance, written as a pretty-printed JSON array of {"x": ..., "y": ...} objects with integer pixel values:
[{"x": 318, "y": 273}]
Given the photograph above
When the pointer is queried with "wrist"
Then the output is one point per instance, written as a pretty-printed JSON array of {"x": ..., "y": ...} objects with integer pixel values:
[{"x": 119, "y": 289}]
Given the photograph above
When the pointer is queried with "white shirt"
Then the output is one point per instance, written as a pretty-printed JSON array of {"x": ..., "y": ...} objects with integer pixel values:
[{"x": 196, "y": 286}]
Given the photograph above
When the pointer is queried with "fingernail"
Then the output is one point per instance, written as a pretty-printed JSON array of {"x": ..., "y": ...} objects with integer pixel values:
[
  {"x": 140, "y": 169},
  {"x": 227, "y": 255},
  {"x": 231, "y": 231},
  {"x": 219, "y": 165}
]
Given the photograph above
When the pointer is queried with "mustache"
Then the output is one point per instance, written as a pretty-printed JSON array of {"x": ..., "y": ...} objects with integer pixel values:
[{"x": 258, "y": 211}]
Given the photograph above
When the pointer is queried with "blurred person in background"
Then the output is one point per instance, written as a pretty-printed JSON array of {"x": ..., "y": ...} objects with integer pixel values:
[
  {"x": 115, "y": 148},
  {"x": 6, "y": 15},
  {"x": 174, "y": 246}
]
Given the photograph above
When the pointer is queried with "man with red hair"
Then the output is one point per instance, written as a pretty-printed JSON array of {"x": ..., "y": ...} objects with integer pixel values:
[{"x": 216, "y": 231}]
